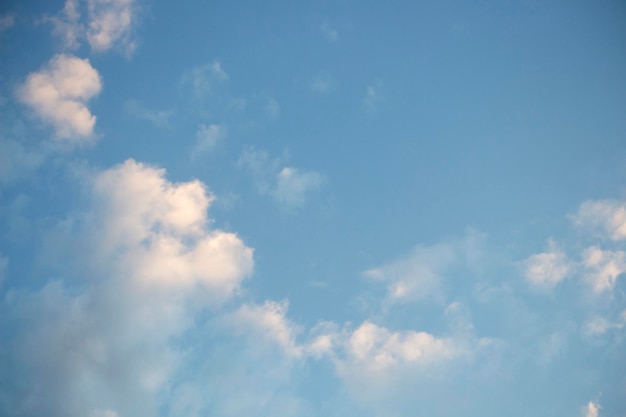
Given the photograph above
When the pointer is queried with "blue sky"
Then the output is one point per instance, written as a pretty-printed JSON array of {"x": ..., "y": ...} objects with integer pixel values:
[{"x": 324, "y": 208}]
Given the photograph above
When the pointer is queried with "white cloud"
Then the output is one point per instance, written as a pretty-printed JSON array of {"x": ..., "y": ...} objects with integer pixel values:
[
  {"x": 369, "y": 347},
  {"x": 110, "y": 24},
  {"x": 546, "y": 270},
  {"x": 376, "y": 348},
  {"x": 59, "y": 93},
  {"x": 159, "y": 118},
  {"x": 605, "y": 217},
  {"x": 150, "y": 263},
  {"x": 420, "y": 274},
  {"x": 603, "y": 267},
  {"x": 592, "y": 409},
  {"x": 164, "y": 228},
  {"x": 288, "y": 186}
]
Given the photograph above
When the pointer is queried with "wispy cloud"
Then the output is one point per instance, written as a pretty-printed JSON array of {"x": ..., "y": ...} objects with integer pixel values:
[
  {"x": 272, "y": 110},
  {"x": 603, "y": 267},
  {"x": 321, "y": 84},
  {"x": 207, "y": 138},
  {"x": 67, "y": 25},
  {"x": 6, "y": 22},
  {"x": 111, "y": 23},
  {"x": 59, "y": 93},
  {"x": 373, "y": 98},
  {"x": 294, "y": 185},
  {"x": 605, "y": 218},
  {"x": 108, "y": 24},
  {"x": 202, "y": 78},
  {"x": 330, "y": 33},
  {"x": 287, "y": 185},
  {"x": 420, "y": 275},
  {"x": 269, "y": 322},
  {"x": 159, "y": 118},
  {"x": 598, "y": 325}
]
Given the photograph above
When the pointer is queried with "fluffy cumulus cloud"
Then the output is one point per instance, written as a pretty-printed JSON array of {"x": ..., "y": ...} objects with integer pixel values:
[
  {"x": 289, "y": 186},
  {"x": 163, "y": 229},
  {"x": 369, "y": 350},
  {"x": 377, "y": 348},
  {"x": 546, "y": 270},
  {"x": 152, "y": 264},
  {"x": 389, "y": 372},
  {"x": 59, "y": 93},
  {"x": 606, "y": 218}
]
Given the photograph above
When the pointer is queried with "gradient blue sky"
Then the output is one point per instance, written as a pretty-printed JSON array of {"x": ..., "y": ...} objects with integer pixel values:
[{"x": 322, "y": 208}]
